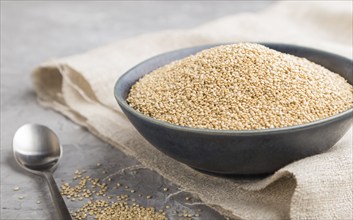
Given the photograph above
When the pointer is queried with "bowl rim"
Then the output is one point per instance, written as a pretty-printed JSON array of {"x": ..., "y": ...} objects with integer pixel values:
[{"x": 123, "y": 103}]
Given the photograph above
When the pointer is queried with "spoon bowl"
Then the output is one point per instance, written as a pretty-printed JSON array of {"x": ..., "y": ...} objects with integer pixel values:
[{"x": 36, "y": 148}]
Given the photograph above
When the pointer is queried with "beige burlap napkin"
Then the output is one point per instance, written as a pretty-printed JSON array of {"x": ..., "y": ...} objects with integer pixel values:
[{"x": 318, "y": 187}]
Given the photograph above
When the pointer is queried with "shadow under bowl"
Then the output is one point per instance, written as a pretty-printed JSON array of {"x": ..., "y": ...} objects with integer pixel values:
[{"x": 238, "y": 152}]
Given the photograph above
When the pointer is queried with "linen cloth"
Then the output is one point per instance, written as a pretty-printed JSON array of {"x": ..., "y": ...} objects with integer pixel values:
[{"x": 317, "y": 187}]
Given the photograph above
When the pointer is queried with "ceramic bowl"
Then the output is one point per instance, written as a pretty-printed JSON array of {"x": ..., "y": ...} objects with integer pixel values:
[{"x": 238, "y": 152}]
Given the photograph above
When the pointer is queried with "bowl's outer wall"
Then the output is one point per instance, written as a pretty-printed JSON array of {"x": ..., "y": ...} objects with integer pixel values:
[{"x": 247, "y": 153}]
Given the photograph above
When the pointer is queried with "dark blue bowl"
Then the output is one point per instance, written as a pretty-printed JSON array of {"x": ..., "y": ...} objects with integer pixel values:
[{"x": 238, "y": 152}]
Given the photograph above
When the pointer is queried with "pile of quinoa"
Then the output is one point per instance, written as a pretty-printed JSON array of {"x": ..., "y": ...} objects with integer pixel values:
[
  {"x": 108, "y": 206},
  {"x": 241, "y": 86}
]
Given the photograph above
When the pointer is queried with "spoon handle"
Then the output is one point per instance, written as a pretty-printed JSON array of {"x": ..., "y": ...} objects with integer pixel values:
[{"x": 59, "y": 202}]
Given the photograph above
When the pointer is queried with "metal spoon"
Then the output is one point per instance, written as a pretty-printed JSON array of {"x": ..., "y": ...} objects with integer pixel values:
[{"x": 37, "y": 149}]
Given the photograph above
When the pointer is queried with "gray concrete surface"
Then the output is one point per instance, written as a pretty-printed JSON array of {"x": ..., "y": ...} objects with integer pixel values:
[{"x": 32, "y": 32}]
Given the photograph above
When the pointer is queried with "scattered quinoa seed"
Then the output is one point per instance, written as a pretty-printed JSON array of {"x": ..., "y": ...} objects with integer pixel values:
[
  {"x": 21, "y": 197},
  {"x": 16, "y": 188},
  {"x": 243, "y": 86},
  {"x": 165, "y": 189}
]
